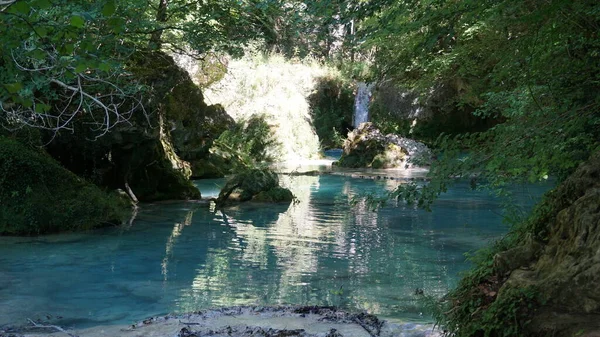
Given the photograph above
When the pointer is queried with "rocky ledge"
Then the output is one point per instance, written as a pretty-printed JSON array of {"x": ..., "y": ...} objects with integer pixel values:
[{"x": 288, "y": 321}]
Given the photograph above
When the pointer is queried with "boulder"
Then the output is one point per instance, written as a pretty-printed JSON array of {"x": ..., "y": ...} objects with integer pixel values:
[
  {"x": 256, "y": 185},
  {"x": 155, "y": 153},
  {"x": 191, "y": 124},
  {"x": 366, "y": 146}
]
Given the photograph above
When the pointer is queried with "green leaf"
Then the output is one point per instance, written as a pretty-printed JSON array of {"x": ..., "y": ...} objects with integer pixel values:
[
  {"x": 27, "y": 103},
  {"x": 80, "y": 68},
  {"x": 109, "y": 8},
  {"x": 13, "y": 88},
  {"x": 39, "y": 55},
  {"x": 39, "y": 108},
  {"x": 77, "y": 21},
  {"x": 43, "y": 4},
  {"x": 104, "y": 66},
  {"x": 22, "y": 7},
  {"x": 68, "y": 48},
  {"x": 41, "y": 31},
  {"x": 116, "y": 24}
]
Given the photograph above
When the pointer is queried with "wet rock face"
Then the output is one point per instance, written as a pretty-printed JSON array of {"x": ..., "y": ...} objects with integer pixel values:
[
  {"x": 366, "y": 146},
  {"x": 567, "y": 271}
]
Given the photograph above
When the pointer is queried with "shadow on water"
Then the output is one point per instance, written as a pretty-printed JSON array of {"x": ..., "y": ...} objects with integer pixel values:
[{"x": 180, "y": 257}]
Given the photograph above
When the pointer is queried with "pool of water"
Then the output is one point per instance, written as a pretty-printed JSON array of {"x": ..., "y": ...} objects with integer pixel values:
[{"x": 186, "y": 256}]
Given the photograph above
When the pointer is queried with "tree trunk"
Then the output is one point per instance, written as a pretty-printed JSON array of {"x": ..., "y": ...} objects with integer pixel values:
[{"x": 161, "y": 17}]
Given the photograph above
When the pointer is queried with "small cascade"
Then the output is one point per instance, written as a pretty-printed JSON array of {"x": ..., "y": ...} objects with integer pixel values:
[{"x": 361, "y": 103}]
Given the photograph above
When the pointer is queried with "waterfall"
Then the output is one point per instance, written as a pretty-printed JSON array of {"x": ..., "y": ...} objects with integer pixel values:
[{"x": 361, "y": 103}]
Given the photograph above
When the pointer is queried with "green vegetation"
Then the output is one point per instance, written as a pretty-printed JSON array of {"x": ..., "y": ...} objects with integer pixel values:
[
  {"x": 277, "y": 90},
  {"x": 510, "y": 89},
  {"x": 39, "y": 196},
  {"x": 332, "y": 106},
  {"x": 257, "y": 184},
  {"x": 248, "y": 143},
  {"x": 529, "y": 66}
]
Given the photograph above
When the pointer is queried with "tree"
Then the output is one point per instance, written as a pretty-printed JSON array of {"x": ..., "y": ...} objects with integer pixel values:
[
  {"x": 61, "y": 61},
  {"x": 529, "y": 65},
  {"x": 67, "y": 60}
]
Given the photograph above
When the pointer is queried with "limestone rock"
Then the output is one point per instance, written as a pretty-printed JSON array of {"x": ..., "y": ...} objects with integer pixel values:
[
  {"x": 567, "y": 272},
  {"x": 366, "y": 146},
  {"x": 157, "y": 153}
]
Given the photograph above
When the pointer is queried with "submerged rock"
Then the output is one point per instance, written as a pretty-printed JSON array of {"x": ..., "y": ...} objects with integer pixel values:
[{"x": 366, "y": 146}]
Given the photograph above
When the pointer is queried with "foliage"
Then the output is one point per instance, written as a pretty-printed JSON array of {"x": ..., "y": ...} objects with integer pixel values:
[
  {"x": 248, "y": 143},
  {"x": 258, "y": 184},
  {"x": 59, "y": 60},
  {"x": 332, "y": 105},
  {"x": 318, "y": 29},
  {"x": 64, "y": 59},
  {"x": 277, "y": 88},
  {"x": 507, "y": 316},
  {"x": 38, "y": 196},
  {"x": 530, "y": 65}
]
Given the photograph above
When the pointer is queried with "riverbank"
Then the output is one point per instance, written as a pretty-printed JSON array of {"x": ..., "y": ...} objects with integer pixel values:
[{"x": 300, "y": 321}]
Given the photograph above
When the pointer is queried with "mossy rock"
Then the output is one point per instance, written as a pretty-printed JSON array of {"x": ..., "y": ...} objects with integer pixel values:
[
  {"x": 39, "y": 196},
  {"x": 550, "y": 261},
  {"x": 366, "y": 146},
  {"x": 151, "y": 154},
  {"x": 192, "y": 124},
  {"x": 276, "y": 194},
  {"x": 254, "y": 184}
]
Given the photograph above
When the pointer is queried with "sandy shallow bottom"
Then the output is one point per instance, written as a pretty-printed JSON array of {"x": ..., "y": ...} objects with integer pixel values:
[{"x": 243, "y": 322}]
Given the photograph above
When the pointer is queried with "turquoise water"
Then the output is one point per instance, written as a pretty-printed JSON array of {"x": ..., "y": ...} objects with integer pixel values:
[{"x": 179, "y": 257}]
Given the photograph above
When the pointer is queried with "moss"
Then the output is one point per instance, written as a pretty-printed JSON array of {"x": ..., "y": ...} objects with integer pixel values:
[
  {"x": 276, "y": 194},
  {"x": 545, "y": 267},
  {"x": 38, "y": 196},
  {"x": 254, "y": 183}
]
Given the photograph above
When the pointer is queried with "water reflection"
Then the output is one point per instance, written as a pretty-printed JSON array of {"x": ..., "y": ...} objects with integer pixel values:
[{"x": 182, "y": 257}]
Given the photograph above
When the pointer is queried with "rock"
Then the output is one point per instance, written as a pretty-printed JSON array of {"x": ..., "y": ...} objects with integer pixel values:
[
  {"x": 39, "y": 196},
  {"x": 517, "y": 257},
  {"x": 366, "y": 146},
  {"x": 564, "y": 269},
  {"x": 285, "y": 321},
  {"x": 275, "y": 194},
  {"x": 158, "y": 153},
  {"x": 254, "y": 184},
  {"x": 191, "y": 124}
]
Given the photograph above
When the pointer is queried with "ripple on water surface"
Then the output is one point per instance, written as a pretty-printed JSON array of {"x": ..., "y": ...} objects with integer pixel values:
[{"x": 180, "y": 257}]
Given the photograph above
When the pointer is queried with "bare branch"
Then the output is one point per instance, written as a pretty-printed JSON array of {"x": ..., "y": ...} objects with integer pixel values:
[
  {"x": 4, "y": 4},
  {"x": 57, "y": 328},
  {"x": 93, "y": 94}
]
